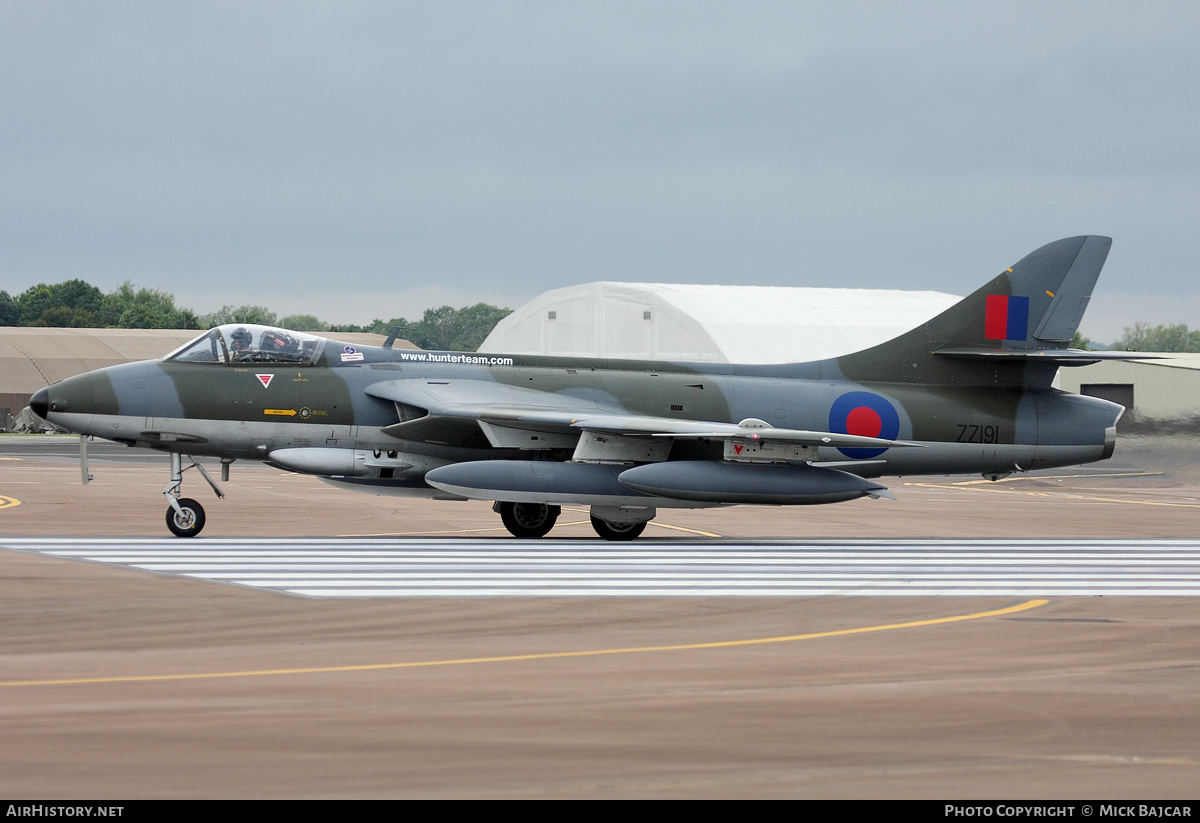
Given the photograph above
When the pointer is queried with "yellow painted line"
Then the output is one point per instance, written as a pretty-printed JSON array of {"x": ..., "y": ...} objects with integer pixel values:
[
  {"x": 8, "y": 502},
  {"x": 1015, "y": 478},
  {"x": 720, "y": 644},
  {"x": 653, "y": 523},
  {"x": 1132, "y": 502},
  {"x": 683, "y": 529},
  {"x": 1110, "y": 759},
  {"x": 455, "y": 531},
  {"x": 1062, "y": 495}
]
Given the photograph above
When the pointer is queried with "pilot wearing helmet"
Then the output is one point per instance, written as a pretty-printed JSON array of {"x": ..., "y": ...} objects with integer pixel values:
[{"x": 239, "y": 341}]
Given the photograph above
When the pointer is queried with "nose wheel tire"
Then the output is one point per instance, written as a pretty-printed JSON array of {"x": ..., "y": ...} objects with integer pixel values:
[
  {"x": 190, "y": 522},
  {"x": 617, "y": 531},
  {"x": 529, "y": 519}
]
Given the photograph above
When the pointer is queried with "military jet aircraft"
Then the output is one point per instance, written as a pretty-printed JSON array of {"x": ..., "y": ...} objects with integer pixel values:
[{"x": 968, "y": 392}]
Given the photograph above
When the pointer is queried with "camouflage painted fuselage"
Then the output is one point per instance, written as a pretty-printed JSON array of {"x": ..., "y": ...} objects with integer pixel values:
[
  {"x": 246, "y": 412},
  {"x": 967, "y": 392}
]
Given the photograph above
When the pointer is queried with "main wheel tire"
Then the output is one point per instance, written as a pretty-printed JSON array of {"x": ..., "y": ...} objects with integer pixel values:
[
  {"x": 191, "y": 521},
  {"x": 529, "y": 519},
  {"x": 617, "y": 531}
]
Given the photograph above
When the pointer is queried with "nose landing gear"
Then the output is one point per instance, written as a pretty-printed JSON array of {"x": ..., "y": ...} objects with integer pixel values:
[
  {"x": 185, "y": 517},
  {"x": 188, "y": 520}
]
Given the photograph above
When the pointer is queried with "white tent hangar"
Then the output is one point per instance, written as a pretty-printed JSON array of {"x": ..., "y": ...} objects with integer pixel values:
[{"x": 711, "y": 324}]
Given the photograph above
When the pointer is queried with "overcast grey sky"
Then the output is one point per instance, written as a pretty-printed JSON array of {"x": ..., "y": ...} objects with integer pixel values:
[{"x": 359, "y": 160}]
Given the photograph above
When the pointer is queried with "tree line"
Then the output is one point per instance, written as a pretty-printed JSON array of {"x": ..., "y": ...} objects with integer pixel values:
[
  {"x": 1168, "y": 337},
  {"x": 76, "y": 304}
]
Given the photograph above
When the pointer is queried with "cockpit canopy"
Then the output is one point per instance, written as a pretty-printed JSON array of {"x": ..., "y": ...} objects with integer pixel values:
[{"x": 236, "y": 343}]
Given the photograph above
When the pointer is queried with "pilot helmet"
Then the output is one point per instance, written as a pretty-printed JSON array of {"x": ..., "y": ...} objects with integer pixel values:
[{"x": 241, "y": 338}]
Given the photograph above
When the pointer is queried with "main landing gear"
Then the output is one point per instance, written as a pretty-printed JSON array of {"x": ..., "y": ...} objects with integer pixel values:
[
  {"x": 617, "y": 531},
  {"x": 185, "y": 517},
  {"x": 530, "y": 520}
]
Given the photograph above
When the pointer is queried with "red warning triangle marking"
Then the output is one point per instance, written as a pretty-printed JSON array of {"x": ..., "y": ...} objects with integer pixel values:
[
  {"x": 737, "y": 449},
  {"x": 265, "y": 379}
]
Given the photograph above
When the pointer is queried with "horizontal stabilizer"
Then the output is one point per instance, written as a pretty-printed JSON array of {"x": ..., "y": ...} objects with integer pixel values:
[{"x": 1056, "y": 357}]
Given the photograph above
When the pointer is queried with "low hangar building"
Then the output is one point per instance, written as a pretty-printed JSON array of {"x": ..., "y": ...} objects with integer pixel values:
[{"x": 710, "y": 324}]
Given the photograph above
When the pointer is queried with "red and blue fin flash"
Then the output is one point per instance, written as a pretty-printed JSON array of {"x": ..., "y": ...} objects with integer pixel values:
[{"x": 1006, "y": 318}]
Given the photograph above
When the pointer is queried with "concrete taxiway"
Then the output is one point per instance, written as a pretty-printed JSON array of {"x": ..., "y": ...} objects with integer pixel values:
[{"x": 121, "y": 679}]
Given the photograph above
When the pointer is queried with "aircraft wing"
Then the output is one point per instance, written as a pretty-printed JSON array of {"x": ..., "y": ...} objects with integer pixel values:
[
  {"x": 508, "y": 416},
  {"x": 634, "y": 426},
  {"x": 516, "y": 417}
]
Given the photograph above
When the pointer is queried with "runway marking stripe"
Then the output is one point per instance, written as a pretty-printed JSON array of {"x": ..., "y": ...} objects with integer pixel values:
[
  {"x": 185, "y": 566},
  {"x": 564, "y": 568},
  {"x": 650, "y": 554},
  {"x": 720, "y": 644},
  {"x": 8, "y": 502},
  {"x": 743, "y": 543},
  {"x": 917, "y": 591},
  {"x": 418, "y": 580}
]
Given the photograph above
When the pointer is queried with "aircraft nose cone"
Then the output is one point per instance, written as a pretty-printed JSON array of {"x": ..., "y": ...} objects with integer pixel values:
[{"x": 40, "y": 402}]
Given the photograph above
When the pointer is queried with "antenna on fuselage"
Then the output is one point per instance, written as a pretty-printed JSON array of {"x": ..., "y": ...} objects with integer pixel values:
[{"x": 393, "y": 334}]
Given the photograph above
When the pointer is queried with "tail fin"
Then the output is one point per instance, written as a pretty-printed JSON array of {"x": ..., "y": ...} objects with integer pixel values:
[{"x": 1013, "y": 331}]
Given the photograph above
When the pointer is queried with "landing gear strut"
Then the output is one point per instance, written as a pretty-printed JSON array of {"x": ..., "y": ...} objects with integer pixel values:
[
  {"x": 185, "y": 517},
  {"x": 528, "y": 519}
]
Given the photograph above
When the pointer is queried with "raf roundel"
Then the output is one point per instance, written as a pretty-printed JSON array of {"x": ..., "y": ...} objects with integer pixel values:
[{"x": 866, "y": 414}]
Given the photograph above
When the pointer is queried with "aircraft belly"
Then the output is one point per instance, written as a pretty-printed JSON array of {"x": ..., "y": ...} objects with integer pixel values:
[
  {"x": 81, "y": 423},
  {"x": 952, "y": 458},
  {"x": 1050, "y": 457},
  {"x": 390, "y": 488}
]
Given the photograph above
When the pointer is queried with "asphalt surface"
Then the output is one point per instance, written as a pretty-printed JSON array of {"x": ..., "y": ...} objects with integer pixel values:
[{"x": 124, "y": 682}]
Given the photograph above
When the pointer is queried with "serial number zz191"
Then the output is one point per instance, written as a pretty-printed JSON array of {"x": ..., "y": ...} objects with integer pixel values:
[{"x": 975, "y": 433}]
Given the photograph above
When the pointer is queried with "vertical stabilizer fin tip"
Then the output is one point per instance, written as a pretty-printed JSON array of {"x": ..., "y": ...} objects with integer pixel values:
[{"x": 1070, "y": 300}]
